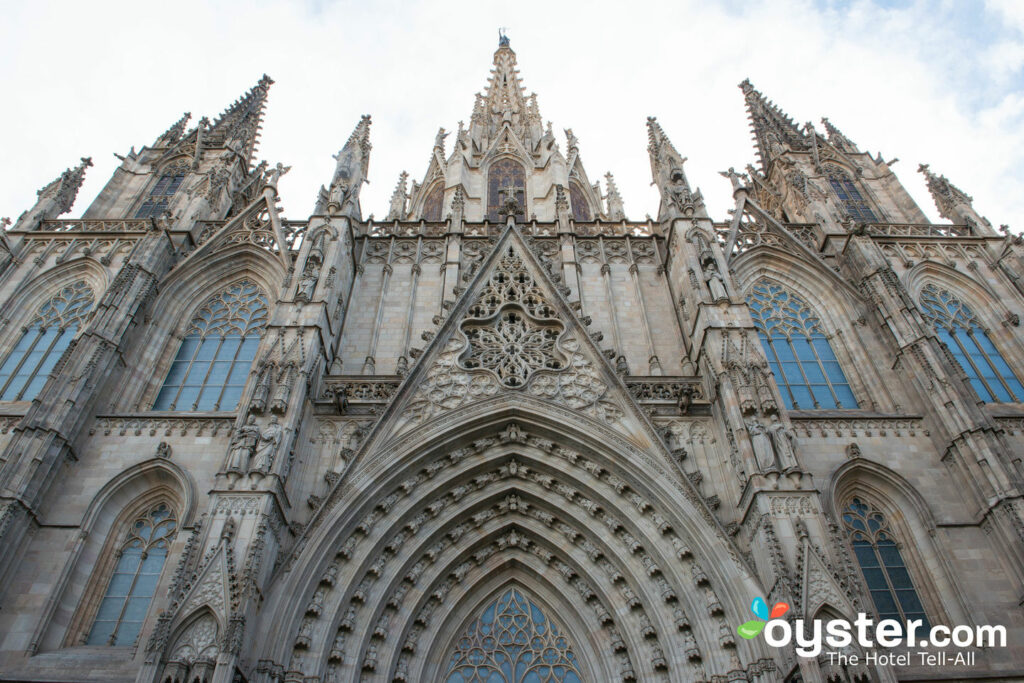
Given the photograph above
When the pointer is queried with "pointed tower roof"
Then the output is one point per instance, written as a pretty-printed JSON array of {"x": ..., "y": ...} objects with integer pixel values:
[
  {"x": 398, "y": 199},
  {"x": 239, "y": 125},
  {"x": 351, "y": 170},
  {"x": 65, "y": 188},
  {"x": 836, "y": 137},
  {"x": 773, "y": 129},
  {"x": 667, "y": 173},
  {"x": 947, "y": 196},
  {"x": 505, "y": 101},
  {"x": 174, "y": 133},
  {"x": 616, "y": 211}
]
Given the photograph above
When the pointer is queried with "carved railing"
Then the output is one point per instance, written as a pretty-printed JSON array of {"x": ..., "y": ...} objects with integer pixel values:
[
  {"x": 361, "y": 393},
  {"x": 156, "y": 424},
  {"x": 918, "y": 230},
  {"x": 489, "y": 229},
  {"x": 119, "y": 225},
  {"x": 856, "y": 425},
  {"x": 667, "y": 395}
]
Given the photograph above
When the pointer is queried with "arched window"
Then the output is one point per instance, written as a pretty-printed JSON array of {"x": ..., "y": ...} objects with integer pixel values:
[
  {"x": 140, "y": 559},
  {"x": 43, "y": 341},
  {"x": 879, "y": 557},
  {"x": 513, "y": 641},
  {"x": 801, "y": 359},
  {"x": 962, "y": 333},
  {"x": 213, "y": 361},
  {"x": 580, "y": 207},
  {"x": 850, "y": 196},
  {"x": 432, "y": 203},
  {"x": 506, "y": 180},
  {"x": 160, "y": 195}
]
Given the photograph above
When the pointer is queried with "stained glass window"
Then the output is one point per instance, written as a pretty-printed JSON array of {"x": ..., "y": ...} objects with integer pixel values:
[
  {"x": 800, "y": 357},
  {"x": 43, "y": 341},
  {"x": 853, "y": 201},
  {"x": 432, "y": 203},
  {"x": 580, "y": 207},
  {"x": 212, "y": 364},
  {"x": 878, "y": 554},
  {"x": 505, "y": 179},
  {"x": 161, "y": 193},
  {"x": 139, "y": 562},
  {"x": 962, "y": 333},
  {"x": 513, "y": 641}
]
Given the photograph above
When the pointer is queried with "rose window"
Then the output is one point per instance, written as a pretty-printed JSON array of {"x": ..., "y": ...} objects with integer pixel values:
[{"x": 513, "y": 347}]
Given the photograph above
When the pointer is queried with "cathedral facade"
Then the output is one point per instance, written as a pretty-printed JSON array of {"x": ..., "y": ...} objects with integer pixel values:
[{"x": 505, "y": 434}]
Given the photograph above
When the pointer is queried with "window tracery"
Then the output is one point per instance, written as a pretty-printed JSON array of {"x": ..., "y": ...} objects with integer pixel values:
[
  {"x": 43, "y": 341},
  {"x": 881, "y": 562},
  {"x": 213, "y": 361},
  {"x": 801, "y": 359},
  {"x": 513, "y": 641},
  {"x": 580, "y": 206},
  {"x": 506, "y": 179},
  {"x": 432, "y": 203},
  {"x": 963, "y": 334},
  {"x": 140, "y": 559},
  {"x": 850, "y": 197},
  {"x": 160, "y": 195}
]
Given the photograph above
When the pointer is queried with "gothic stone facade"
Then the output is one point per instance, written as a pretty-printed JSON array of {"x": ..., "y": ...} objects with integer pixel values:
[{"x": 239, "y": 447}]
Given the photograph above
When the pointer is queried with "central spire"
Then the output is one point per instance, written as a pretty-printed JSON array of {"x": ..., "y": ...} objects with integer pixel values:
[{"x": 504, "y": 101}]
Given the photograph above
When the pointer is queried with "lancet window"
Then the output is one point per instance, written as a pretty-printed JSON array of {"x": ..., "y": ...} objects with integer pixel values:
[
  {"x": 513, "y": 641},
  {"x": 506, "y": 181},
  {"x": 580, "y": 207},
  {"x": 853, "y": 201},
  {"x": 140, "y": 559},
  {"x": 213, "y": 362},
  {"x": 160, "y": 195},
  {"x": 43, "y": 341},
  {"x": 963, "y": 334},
  {"x": 881, "y": 561},
  {"x": 806, "y": 369},
  {"x": 432, "y": 203}
]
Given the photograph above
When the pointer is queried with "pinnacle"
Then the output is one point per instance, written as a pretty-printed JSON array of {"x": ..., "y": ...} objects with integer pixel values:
[{"x": 773, "y": 128}]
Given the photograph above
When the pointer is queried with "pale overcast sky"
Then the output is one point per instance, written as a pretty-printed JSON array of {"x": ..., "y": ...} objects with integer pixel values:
[{"x": 928, "y": 81}]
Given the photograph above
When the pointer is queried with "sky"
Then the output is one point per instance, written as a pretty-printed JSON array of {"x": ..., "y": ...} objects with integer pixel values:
[{"x": 926, "y": 81}]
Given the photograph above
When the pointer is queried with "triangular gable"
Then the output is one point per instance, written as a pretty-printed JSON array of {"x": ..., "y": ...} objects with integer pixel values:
[
  {"x": 507, "y": 142},
  {"x": 258, "y": 224},
  {"x": 210, "y": 588},
  {"x": 818, "y": 585}
]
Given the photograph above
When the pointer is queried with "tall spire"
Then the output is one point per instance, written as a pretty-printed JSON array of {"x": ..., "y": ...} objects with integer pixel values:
[
  {"x": 398, "y": 199},
  {"x": 774, "y": 130},
  {"x": 504, "y": 101},
  {"x": 174, "y": 133},
  {"x": 55, "y": 198},
  {"x": 351, "y": 171},
  {"x": 616, "y": 212},
  {"x": 667, "y": 172},
  {"x": 836, "y": 137},
  {"x": 953, "y": 203},
  {"x": 239, "y": 126}
]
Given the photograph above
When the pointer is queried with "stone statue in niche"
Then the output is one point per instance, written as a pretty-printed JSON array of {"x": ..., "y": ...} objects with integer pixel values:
[
  {"x": 266, "y": 448},
  {"x": 784, "y": 442},
  {"x": 716, "y": 285},
  {"x": 761, "y": 441},
  {"x": 242, "y": 444}
]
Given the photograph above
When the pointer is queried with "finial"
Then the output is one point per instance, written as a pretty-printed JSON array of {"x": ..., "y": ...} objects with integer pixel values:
[{"x": 502, "y": 37}]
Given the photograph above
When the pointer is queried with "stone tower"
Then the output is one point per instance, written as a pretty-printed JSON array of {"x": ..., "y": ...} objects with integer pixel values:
[{"x": 506, "y": 432}]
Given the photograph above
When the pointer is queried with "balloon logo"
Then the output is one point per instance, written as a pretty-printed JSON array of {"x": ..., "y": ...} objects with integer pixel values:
[{"x": 760, "y": 609}]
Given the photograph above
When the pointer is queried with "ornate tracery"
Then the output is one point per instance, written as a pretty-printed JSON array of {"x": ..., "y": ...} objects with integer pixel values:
[
  {"x": 513, "y": 641},
  {"x": 852, "y": 200},
  {"x": 506, "y": 181},
  {"x": 963, "y": 334},
  {"x": 799, "y": 355},
  {"x": 213, "y": 361},
  {"x": 43, "y": 341}
]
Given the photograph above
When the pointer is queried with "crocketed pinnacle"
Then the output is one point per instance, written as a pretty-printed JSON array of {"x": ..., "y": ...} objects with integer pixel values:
[
  {"x": 239, "y": 126},
  {"x": 616, "y": 211},
  {"x": 505, "y": 101},
  {"x": 836, "y": 137},
  {"x": 174, "y": 133},
  {"x": 947, "y": 196},
  {"x": 64, "y": 189},
  {"x": 666, "y": 161},
  {"x": 774, "y": 130},
  {"x": 398, "y": 197}
]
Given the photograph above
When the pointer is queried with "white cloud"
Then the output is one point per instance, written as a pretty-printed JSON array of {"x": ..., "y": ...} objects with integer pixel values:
[{"x": 94, "y": 78}]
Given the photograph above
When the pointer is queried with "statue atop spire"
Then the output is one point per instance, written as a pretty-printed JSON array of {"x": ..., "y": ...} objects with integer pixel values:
[
  {"x": 667, "y": 173},
  {"x": 502, "y": 37},
  {"x": 774, "y": 131},
  {"x": 55, "y": 198}
]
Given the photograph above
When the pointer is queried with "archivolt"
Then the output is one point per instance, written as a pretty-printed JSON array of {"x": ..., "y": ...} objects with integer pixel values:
[{"x": 438, "y": 522}]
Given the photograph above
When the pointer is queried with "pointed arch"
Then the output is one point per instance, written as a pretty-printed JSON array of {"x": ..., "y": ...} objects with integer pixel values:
[
  {"x": 849, "y": 194},
  {"x": 433, "y": 202},
  {"x": 196, "y": 644},
  {"x": 166, "y": 182},
  {"x": 433, "y": 517},
  {"x": 506, "y": 174},
  {"x": 105, "y": 526},
  {"x": 800, "y": 356},
  {"x": 580, "y": 206},
  {"x": 912, "y": 527}
]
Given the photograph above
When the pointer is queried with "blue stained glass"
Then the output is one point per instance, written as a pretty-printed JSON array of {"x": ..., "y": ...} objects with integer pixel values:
[
  {"x": 964, "y": 336},
  {"x": 799, "y": 356},
  {"x": 513, "y": 641},
  {"x": 217, "y": 352}
]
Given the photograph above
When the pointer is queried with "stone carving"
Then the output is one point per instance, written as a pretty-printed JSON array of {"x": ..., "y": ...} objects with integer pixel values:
[
  {"x": 243, "y": 444},
  {"x": 266, "y": 448}
]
